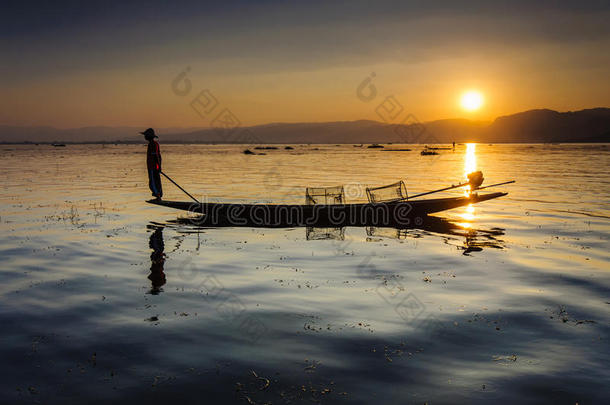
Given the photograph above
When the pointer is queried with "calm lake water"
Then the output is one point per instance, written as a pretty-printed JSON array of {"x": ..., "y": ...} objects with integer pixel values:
[{"x": 107, "y": 298}]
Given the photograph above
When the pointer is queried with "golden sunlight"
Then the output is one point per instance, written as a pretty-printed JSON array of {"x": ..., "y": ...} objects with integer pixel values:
[
  {"x": 470, "y": 160},
  {"x": 470, "y": 165},
  {"x": 472, "y": 100}
]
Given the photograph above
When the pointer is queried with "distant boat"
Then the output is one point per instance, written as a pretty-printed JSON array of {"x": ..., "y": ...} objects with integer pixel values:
[
  {"x": 426, "y": 152},
  {"x": 438, "y": 148},
  {"x": 59, "y": 145},
  {"x": 375, "y": 146}
]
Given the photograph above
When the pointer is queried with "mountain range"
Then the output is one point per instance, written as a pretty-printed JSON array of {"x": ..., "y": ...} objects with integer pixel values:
[{"x": 533, "y": 126}]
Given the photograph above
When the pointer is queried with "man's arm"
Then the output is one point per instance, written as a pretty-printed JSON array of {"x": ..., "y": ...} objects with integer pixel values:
[{"x": 158, "y": 156}]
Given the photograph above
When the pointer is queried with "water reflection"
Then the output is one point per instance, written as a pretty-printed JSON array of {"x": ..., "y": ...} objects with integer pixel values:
[
  {"x": 157, "y": 260},
  {"x": 470, "y": 239},
  {"x": 470, "y": 165},
  {"x": 476, "y": 240},
  {"x": 313, "y": 233},
  {"x": 470, "y": 160}
]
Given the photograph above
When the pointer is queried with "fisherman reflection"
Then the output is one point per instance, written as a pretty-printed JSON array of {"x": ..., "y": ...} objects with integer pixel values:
[{"x": 157, "y": 260}]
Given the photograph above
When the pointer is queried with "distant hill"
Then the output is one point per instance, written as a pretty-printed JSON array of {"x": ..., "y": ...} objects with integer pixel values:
[
  {"x": 534, "y": 126},
  {"x": 45, "y": 134},
  {"x": 361, "y": 131},
  {"x": 591, "y": 125}
]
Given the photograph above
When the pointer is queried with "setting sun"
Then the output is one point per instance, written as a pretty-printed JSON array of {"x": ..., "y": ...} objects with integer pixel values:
[{"x": 472, "y": 100}]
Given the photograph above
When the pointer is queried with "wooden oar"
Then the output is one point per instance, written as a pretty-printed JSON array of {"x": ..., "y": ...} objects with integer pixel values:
[
  {"x": 441, "y": 189},
  {"x": 177, "y": 185},
  {"x": 497, "y": 184},
  {"x": 473, "y": 178}
]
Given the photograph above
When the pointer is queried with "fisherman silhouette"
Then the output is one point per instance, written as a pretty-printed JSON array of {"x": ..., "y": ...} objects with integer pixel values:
[
  {"x": 153, "y": 163},
  {"x": 157, "y": 260}
]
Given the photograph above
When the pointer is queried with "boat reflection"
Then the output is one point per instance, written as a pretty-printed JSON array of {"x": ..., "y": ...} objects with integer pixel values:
[
  {"x": 460, "y": 234},
  {"x": 465, "y": 239},
  {"x": 314, "y": 233},
  {"x": 477, "y": 239}
]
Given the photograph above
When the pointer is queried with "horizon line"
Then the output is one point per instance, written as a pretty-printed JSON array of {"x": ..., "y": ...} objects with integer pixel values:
[{"x": 303, "y": 122}]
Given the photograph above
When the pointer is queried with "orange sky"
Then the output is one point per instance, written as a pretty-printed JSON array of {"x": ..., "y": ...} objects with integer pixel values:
[{"x": 295, "y": 63}]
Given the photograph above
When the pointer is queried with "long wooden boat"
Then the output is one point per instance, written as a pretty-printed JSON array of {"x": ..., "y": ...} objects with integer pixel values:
[{"x": 400, "y": 213}]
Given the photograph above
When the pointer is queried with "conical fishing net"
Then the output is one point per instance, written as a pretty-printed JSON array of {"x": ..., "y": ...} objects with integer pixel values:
[
  {"x": 324, "y": 195},
  {"x": 392, "y": 192}
]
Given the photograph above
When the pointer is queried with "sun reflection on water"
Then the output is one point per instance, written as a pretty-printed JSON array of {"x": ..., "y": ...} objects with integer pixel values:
[
  {"x": 470, "y": 165},
  {"x": 470, "y": 160}
]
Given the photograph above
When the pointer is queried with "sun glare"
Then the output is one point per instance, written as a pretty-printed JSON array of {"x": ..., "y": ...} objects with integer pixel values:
[
  {"x": 470, "y": 165},
  {"x": 472, "y": 100},
  {"x": 470, "y": 159}
]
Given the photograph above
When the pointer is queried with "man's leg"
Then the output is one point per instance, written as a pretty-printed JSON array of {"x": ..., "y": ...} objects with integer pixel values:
[
  {"x": 158, "y": 183},
  {"x": 152, "y": 184}
]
